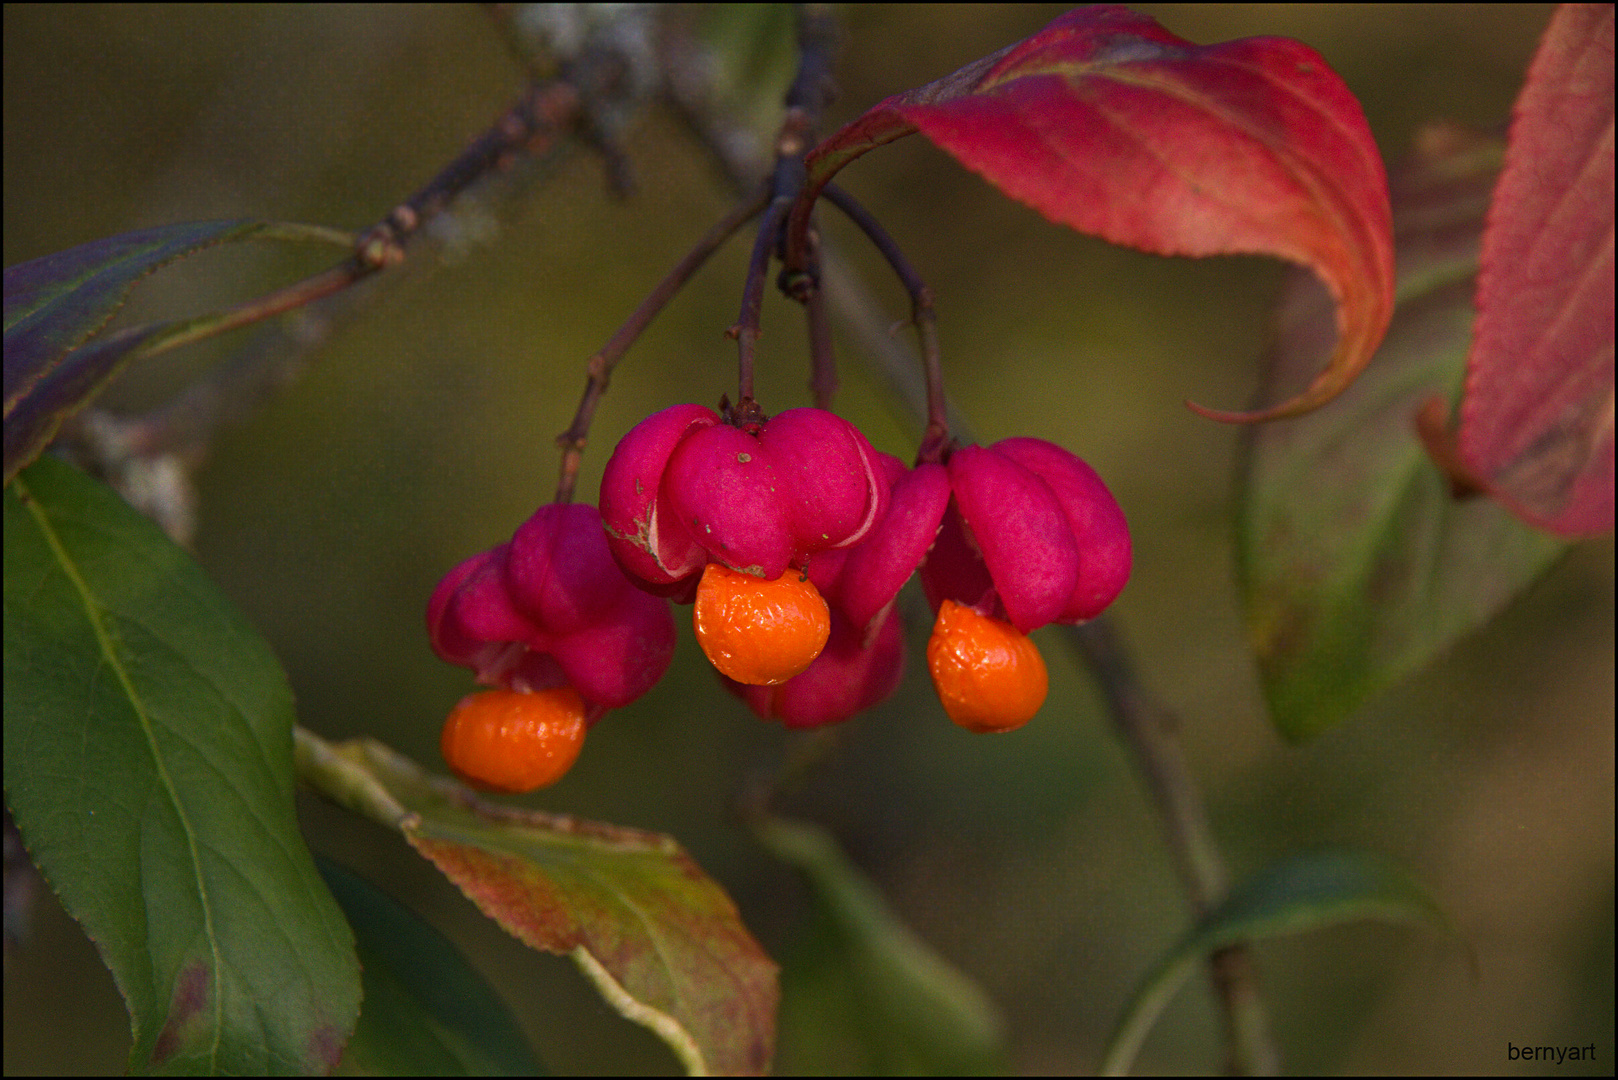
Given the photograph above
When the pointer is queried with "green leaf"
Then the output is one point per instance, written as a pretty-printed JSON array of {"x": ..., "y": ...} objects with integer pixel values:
[
  {"x": 658, "y": 937},
  {"x": 54, "y": 305},
  {"x": 148, "y": 763},
  {"x": 1357, "y": 566},
  {"x": 1303, "y": 893},
  {"x": 866, "y": 995},
  {"x": 427, "y": 1011}
]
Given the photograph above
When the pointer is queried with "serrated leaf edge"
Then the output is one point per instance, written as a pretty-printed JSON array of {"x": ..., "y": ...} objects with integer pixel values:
[{"x": 94, "y": 615}]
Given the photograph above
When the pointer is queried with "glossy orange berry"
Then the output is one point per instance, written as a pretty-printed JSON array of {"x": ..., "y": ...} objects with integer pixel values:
[
  {"x": 989, "y": 676},
  {"x": 512, "y": 742},
  {"x": 759, "y": 632}
]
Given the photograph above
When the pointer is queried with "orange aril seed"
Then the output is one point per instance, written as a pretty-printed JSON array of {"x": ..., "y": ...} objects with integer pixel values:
[
  {"x": 989, "y": 676},
  {"x": 759, "y": 632},
  {"x": 509, "y": 741}
]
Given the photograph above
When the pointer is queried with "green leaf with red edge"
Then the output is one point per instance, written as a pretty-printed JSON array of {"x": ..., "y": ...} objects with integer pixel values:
[
  {"x": 148, "y": 763},
  {"x": 1356, "y": 564},
  {"x": 54, "y": 305},
  {"x": 659, "y": 938},
  {"x": 1537, "y": 416},
  {"x": 1106, "y": 122}
]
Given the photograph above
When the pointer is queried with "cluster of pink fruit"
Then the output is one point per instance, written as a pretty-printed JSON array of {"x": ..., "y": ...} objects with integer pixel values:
[{"x": 792, "y": 537}]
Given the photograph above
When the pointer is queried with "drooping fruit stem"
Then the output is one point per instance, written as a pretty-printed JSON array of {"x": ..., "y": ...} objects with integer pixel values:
[
  {"x": 746, "y": 331},
  {"x": 921, "y": 312},
  {"x": 600, "y": 365}
]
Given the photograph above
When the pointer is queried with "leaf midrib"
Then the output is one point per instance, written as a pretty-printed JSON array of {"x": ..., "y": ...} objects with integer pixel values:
[{"x": 95, "y": 614}]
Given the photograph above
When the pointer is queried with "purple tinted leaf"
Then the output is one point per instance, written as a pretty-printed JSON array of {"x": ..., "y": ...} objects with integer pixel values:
[
  {"x": 63, "y": 390},
  {"x": 55, "y": 304}
]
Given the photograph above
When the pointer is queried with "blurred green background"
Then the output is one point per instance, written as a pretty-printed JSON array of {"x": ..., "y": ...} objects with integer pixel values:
[{"x": 424, "y": 433}]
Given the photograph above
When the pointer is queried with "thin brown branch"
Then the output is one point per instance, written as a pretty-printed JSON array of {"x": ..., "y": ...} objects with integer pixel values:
[
  {"x": 545, "y": 112},
  {"x": 297, "y": 295},
  {"x": 813, "y": 89},
  {"x": 185, "y": 425},
  {"x": 173, "y": 439},
  {"x": 1150, "y": 730}
]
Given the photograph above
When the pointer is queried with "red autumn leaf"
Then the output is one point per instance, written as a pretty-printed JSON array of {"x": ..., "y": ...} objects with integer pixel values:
[
  {"x": 1536, "y": 419},
  {"x": 1106, "y": 122}
]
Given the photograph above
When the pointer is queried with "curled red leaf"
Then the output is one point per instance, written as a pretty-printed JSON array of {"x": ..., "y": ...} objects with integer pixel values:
[{"x": 1106, "y": 122}]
